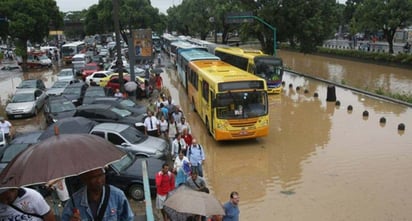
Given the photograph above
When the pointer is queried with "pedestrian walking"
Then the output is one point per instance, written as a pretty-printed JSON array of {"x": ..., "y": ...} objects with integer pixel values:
[
  {"x": 181, "y": 168},
  {"x": 178, "y": 145},
  {"x": 151, "y": 125},
  {"x": 196, "y": 157},
  {"x": 97, "y": 201},
  {"x": 159, "y": 59},
  {"x": 6, "y": 127},
  {"x": 172, "y": 130},
  {"x": 165, "y": 183},
  {"x": 232, "y": 208}
]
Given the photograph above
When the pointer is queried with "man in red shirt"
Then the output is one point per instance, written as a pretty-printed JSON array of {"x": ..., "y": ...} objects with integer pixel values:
[{"x": 165, "y": 182}]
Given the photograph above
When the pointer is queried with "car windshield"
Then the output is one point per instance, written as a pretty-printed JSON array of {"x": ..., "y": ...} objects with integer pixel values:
[
  {"x": 127, "y": 103},
  {"x": 90, "y": 67},
  {"x": 66, "y": 73},
  {"x": 58, "y": 107},
  {"x": 60, "y": 84},
  {"x": 132, "y": 135},
  {"x": 72, "y": 90},
  {"x": 23, "y": 97},
  {"x": 124, "y": 163},
  {"x": 95, "y": 93},
  {"x": 27, "y": 84},
  {"x": 121, "y": 112},
  {"x": 11, "y": 151}
]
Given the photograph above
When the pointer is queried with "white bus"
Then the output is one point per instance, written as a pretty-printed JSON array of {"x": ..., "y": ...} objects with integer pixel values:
[{"x": 70, "y": 49}]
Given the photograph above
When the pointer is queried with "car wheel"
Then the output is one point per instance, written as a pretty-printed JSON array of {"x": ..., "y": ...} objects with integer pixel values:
[{"x": 136, "y": 192}]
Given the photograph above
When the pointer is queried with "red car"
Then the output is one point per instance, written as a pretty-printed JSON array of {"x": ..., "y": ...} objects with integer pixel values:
[
  {"x": 114, "y": 83},
  {"x": 89, "y": 69}
]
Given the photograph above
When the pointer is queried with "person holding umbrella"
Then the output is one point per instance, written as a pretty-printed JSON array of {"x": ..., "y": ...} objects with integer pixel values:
[
  {"x": 97, "y": 201},
  {"x": 24, "y": 204}
]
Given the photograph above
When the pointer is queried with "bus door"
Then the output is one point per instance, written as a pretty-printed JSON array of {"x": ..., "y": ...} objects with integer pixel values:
[
  {"x": 212, "y": 110},
  {"x": 204, "y": 111}
]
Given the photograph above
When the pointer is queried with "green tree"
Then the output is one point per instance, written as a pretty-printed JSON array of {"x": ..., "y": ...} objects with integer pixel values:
[
  {"x": 29, "y": 21},
  {"x": 388, "y": 16}
]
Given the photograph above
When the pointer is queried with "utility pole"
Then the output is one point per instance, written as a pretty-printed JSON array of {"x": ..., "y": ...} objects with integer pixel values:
[{"x": 119, "y": 61}]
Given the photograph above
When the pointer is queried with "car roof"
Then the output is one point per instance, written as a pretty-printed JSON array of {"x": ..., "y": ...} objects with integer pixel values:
[
  {"x": 111, "y": 126},
  {"x": 26, "y": 90},
  {"x": 27, "y": 138},
  {"x": 77, "y": 84},
  {"x": 59, "y": 98}
]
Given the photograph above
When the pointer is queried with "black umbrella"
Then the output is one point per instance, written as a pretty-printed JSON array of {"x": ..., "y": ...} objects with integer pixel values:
[{"x": 70, "y": 125}]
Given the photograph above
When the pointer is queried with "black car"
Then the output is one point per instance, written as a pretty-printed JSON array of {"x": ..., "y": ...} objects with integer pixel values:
[
  {"x": 58, "y": 107},
  {"x": 126, "y": 174},
  {"x": 93, "y": 93},
  {"x": 18, "y": 144},
  {"x": 104, "y": 113},
  {"x": 75, "y": 92},
  {"x": 32, "y": 83},
  {"x": 123, "y": 103}
]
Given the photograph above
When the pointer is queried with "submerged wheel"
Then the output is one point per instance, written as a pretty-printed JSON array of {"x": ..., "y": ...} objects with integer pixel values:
[
  {"x": 208, "y": 127},
  {"x": 136, "y": 192}
]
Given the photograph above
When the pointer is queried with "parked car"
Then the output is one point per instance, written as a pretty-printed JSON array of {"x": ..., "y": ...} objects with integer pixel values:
[
  {"x": 89, "y": 69},
  {"x": 92, "y": 93},
  {"x": 58, "y": 107},
  {"x": 18, "y": 144},
  {"x": 75, "y": 92},
  {"x": 32, "y": 83},
  {"x": 96, "y": 76},
  {"x": 25, "y": 102},
  {"x": 58, "y": 87},
  {"x": 123, "y": 103},
  {"x": 131, "y": 140},
  {"x": 127, "y": 175},
  {"x": 103, "y": 113},
  {"x": 66, "y": 74}
]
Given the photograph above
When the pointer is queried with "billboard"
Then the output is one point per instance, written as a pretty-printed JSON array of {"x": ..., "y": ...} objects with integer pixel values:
[{"x": 142, "y": 42}]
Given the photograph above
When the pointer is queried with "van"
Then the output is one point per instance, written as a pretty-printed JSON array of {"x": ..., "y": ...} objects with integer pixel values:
[{"x": 79, "y": 61}]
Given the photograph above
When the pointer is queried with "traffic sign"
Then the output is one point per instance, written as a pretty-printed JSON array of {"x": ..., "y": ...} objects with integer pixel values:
[{"x": 239, "y": 17}]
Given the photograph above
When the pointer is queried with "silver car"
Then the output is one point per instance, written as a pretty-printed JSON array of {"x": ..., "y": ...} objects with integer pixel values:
[
  {"x": 25, "y": 102},
  {"x": 132, "y": 140},
  {"x": 66, "y": 74}
]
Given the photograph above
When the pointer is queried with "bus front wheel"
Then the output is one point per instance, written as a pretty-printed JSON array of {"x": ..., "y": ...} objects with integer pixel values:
[{"x": 193, "y": 105}]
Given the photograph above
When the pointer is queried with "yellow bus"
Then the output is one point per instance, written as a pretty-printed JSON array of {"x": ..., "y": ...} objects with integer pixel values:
[
  {"x": 231, "y": 102},
  {"x": 256, "y": 62}
]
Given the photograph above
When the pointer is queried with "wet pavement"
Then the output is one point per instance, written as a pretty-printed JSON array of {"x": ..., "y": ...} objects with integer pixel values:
[{"x": 319, "y": 162}]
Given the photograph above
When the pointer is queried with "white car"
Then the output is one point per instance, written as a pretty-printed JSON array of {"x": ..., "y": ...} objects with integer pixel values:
[
  {"x": 66, "y": 74},
  {"x": 26, "y": 102},
  {"x": 96, "y": 76}
]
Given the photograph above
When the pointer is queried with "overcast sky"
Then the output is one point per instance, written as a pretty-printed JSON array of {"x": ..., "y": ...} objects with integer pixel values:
[{"x": 78, "y": 5}]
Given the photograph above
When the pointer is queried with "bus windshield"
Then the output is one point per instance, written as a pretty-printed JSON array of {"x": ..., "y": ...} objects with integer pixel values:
[
  {"x": 68, "y": 51},
  {"x": 238, "y": 105},
  {"x": 269, "y": 68}
]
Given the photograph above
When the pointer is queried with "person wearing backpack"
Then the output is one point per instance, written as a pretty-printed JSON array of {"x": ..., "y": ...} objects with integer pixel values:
[{"x": 196, "y": 157}]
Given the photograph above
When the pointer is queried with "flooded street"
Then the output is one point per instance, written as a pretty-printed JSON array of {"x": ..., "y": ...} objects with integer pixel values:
[
  {"x": 360, "y": 75},
  {"x": 320, "y": 161}
]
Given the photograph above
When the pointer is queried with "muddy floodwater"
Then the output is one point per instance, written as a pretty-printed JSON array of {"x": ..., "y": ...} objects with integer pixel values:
[{"x": 320, "y": 161}]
